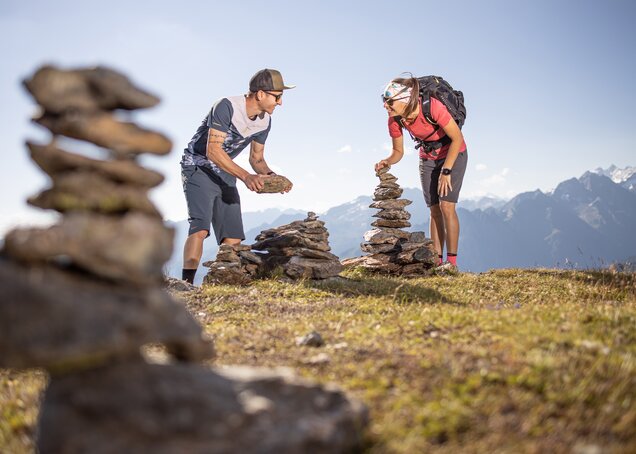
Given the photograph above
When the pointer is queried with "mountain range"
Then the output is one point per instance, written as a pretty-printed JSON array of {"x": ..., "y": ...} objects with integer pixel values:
[{"x": 585, "y": 222}]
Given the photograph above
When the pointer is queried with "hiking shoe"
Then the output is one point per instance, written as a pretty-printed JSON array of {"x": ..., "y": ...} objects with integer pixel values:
[{"x": 446, "y": 268}]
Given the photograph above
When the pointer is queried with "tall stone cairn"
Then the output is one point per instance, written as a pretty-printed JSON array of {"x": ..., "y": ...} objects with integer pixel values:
[
  {"x": 391, "y": 249},
  {"x": 82, "y": 298},
  {"x": 300, "y": 249}
]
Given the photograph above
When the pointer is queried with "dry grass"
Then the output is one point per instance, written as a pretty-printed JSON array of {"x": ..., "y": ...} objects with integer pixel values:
[
  {"x": 505, "y": 361},
  {"x": 19, "y": 402}
]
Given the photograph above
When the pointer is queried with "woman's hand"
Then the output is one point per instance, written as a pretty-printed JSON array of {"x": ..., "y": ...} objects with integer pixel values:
[
  {"x": 444, "y": 185},
  {"x": 382, "y": 164},
  {"x": 396, "y": 154}
]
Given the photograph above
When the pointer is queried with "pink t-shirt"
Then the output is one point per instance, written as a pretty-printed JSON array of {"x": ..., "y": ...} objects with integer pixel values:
[{"x": 421, "y": 128}]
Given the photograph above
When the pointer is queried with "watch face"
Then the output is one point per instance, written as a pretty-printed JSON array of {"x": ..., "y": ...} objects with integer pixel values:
[{"x": 446, "y": 171}]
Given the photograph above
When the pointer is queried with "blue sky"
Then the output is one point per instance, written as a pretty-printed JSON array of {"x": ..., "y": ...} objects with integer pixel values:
[{"x": 548, "y": 85}]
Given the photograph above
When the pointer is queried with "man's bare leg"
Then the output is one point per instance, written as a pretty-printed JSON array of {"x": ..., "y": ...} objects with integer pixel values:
[{"x": 192, "y": 252}]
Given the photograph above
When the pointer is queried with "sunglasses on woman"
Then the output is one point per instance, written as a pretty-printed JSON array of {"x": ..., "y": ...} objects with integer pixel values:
[
  {"x": 390, "y": 100},
  {"x": 386, "y": 100}
]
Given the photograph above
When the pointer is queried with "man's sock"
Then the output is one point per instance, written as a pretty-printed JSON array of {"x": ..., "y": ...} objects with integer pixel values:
[
  {"x": 441, "y": 259},
  {"x": 188, "y": 275},
  {"x": 451, "y": 258}
]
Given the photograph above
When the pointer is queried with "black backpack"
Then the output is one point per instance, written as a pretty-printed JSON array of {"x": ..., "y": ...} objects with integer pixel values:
[{"x": 436, "y": 87}]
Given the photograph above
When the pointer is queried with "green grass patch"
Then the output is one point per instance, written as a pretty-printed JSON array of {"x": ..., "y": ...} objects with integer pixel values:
[{"x": 504, "y": 361}]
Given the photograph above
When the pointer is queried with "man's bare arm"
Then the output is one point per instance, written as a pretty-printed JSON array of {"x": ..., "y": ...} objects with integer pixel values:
[
  {"x": 257, "y": 158},
  {"x": 218, "y": 156}
]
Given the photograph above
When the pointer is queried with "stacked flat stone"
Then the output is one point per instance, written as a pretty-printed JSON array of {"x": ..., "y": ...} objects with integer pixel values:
[
  {"x": 82, "y": 298},
  {"x": 391, "y": 249},
  {"x": 300, "y": 249},
  {"x": 234, "y": 265},
  {"x": 392, "y": 214}
]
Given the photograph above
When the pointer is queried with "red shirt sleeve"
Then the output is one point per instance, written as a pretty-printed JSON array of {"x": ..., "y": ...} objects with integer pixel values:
[
  {"x": 439, "y": 113},
  {"x": 395, "y": 130}
]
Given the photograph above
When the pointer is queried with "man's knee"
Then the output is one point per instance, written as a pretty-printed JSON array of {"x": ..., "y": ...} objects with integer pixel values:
[
  {"x": 199, "y": 235},
  {"x": 193, "y": 248},
  {"x": 231, "y": 241}
]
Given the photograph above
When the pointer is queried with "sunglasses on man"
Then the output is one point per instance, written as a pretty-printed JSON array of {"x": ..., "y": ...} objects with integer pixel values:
[{"x": 276, "y": 96}]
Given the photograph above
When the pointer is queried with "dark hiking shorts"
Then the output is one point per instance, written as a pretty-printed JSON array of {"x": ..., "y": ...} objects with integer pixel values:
[
  {"x": 429, "y": 175},
  {"x": 211, "y": 201}
]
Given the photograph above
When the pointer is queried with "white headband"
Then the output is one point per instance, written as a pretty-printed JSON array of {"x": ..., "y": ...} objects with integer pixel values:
[{"x": 397, "y": 92}]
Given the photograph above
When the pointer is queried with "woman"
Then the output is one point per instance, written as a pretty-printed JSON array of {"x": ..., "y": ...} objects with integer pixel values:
[{"x": 443, "y": 158}]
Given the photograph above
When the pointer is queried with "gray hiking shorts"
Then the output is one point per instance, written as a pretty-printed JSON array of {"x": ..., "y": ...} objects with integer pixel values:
[
  {"x": 211, "y": 201},
  {"x": 429, "y": 175}
]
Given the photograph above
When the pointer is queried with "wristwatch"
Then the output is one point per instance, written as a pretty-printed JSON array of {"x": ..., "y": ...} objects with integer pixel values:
[{"x": 446, "y": 171}]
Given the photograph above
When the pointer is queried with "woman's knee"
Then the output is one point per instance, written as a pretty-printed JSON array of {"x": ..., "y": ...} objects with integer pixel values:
[
  {"x": 436, "y": 211},
  {"x": 447, "y": 207}
]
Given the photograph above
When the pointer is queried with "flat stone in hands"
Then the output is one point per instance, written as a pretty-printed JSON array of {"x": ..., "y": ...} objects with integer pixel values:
[{"x": 275, "y": 183}]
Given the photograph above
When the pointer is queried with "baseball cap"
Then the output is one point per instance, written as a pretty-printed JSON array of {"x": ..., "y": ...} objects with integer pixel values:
[{"x": 268, "y": 80}]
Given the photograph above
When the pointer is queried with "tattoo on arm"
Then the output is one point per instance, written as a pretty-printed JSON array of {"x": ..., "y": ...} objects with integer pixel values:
[{"x": 216, "y": 138}]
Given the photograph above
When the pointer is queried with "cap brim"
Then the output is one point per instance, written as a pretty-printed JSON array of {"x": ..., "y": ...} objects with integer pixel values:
[{"x": 288, "y": 87}]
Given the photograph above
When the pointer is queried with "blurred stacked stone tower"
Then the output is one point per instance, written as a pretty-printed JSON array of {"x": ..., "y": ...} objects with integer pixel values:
[
  {"x": 393, "y": 250},
  {"x": 83, "y": 297}
]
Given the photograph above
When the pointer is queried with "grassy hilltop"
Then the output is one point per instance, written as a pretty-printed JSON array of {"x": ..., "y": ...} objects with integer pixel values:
[{"x": 505, "y": 361}]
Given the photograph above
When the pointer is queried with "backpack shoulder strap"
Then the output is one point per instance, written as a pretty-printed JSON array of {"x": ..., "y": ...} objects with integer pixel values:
[
  {"x": 426, "y": 83},
  {"x": 399, "y": 121},
  {"x": 426, "y": 111}
]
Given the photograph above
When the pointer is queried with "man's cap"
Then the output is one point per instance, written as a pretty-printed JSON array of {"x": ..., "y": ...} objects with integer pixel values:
[{"x": 268, "y": 80}]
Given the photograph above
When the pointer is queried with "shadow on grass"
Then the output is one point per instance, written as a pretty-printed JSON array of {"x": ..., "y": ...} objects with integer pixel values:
[{"x": 398, "y": 289}]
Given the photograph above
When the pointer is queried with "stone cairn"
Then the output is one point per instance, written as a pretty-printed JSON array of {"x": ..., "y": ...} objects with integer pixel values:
[
  {"x": 300, "y": 249},
  {"x": 393, "y": 250},
  {"x": 82, "y": 298},
  {"x": 234, "y": 265}
]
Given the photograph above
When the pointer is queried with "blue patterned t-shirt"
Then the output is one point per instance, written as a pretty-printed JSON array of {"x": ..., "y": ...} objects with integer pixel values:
[{"x": 227, "y": 115}]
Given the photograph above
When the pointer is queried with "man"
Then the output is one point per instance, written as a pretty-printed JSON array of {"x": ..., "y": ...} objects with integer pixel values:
[{"x": 209, "y": 173}]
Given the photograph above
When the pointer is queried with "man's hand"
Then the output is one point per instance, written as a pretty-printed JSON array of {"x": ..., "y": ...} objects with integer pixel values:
[
  {"x": 444, "y": 185},
  {"x": 254, "y": 182},
  {"x": 287, "y": 188},
  {"x": 382, "y": 164}
]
